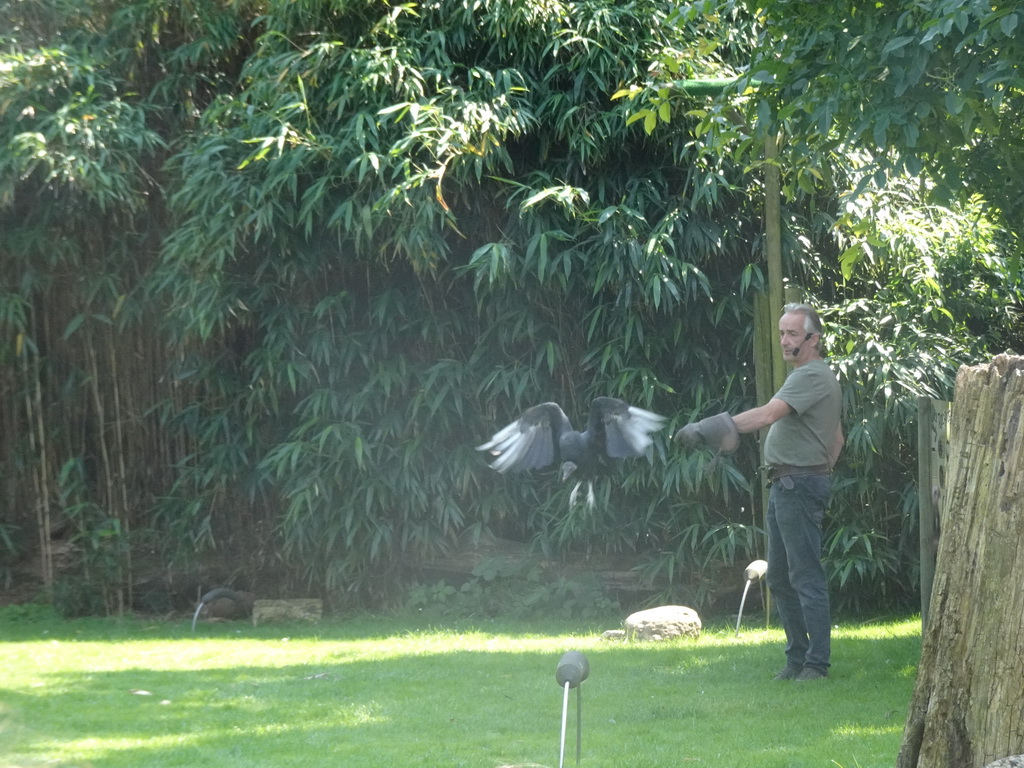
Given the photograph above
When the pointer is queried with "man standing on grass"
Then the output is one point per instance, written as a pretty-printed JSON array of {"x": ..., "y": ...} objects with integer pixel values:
[{"x": 803, "y": 443}]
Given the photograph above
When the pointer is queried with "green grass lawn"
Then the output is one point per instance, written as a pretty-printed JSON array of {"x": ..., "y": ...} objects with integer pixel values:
[{"x": 382, "y": 692}]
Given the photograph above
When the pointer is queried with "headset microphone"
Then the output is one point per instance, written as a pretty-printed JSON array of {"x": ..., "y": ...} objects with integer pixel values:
[{"x": 796, "y": 350}]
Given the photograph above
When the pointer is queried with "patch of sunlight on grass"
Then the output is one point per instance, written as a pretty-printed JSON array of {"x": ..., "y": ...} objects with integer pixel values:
[
  {"x": 868, "y": 630},
  {"x": 92, "y": 746},
  {"x": 858, "y": 731}
]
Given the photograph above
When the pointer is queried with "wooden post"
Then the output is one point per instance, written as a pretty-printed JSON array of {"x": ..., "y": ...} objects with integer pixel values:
[
  {"x": 765, "y": 387},
  {"x": 769, "y": 365},
  {"x": 773, "y": 249},
  {"x": 932, "y": 448}
]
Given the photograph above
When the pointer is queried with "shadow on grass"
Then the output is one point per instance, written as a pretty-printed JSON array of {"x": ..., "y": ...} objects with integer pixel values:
[{"x": 382, "y": 695}]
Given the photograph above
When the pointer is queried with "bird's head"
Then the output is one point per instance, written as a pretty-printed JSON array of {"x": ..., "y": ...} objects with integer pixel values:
[{"x": 568, "y": 467}]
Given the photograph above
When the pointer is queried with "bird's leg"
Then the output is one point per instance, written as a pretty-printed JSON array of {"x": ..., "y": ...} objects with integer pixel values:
[
  {"x": 572, "y": 495},
  {"x": 590, "y": 493}
]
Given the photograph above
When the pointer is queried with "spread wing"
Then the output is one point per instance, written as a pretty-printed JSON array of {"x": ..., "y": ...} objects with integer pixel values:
[
  {"x": 529, "y": 442},
  {"x": 624, "y": 430}
]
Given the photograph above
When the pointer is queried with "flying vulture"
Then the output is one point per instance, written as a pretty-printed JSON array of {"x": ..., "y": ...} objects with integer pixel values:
[{"x": 543, "y": 435}]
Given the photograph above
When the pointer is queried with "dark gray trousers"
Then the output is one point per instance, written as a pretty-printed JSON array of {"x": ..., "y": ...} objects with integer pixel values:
[{"x": 796, "y": 578}]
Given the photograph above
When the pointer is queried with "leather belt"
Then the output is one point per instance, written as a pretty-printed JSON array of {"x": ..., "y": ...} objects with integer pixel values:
[{"x": 774, "y": 473}]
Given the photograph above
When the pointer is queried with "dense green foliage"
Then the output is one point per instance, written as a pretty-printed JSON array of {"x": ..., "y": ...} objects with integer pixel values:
[
  {"x": 940, "y": 83},
  {"x": 449, "y": 228},
  {"x": 273, "y": 270}
]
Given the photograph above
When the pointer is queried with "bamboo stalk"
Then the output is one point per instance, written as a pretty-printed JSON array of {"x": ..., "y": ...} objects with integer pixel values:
[
  {"x": 126, "y": 576},
  {"x": 108, "y": 481},
  {"x": 37, "y": 445}
]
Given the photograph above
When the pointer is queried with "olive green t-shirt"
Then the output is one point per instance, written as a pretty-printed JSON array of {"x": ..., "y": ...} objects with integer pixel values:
[{"x": 803, "y": 437}]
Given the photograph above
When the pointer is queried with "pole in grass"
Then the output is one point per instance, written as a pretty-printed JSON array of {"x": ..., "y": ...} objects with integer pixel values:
[
  {"x": 572, "y": 670},
  {"x": 754, "y": 572},
  {"x": 209, "y": 597}
]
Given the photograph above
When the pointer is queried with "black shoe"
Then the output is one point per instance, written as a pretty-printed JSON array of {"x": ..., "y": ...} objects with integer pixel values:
[
  {"x": 811, "y": 673},
  {"x": 789, "y": 672}
]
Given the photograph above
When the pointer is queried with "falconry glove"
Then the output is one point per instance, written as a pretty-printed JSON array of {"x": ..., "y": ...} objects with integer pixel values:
[{"x": 716, "y": 432}]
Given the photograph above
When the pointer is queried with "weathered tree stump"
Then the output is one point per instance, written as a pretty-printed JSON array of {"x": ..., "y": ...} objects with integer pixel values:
[
  {"x": 287, "y": 610},
  {"x": 968, "y": 704}
]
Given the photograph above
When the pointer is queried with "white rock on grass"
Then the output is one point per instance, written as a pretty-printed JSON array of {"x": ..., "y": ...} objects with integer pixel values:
[{"x": 663, "y": 623}]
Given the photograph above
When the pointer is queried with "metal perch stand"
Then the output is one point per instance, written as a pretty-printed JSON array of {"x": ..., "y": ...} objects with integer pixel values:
[
  {"x": 572, "y": 670},
  {"x": 754, "y": 572}
]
